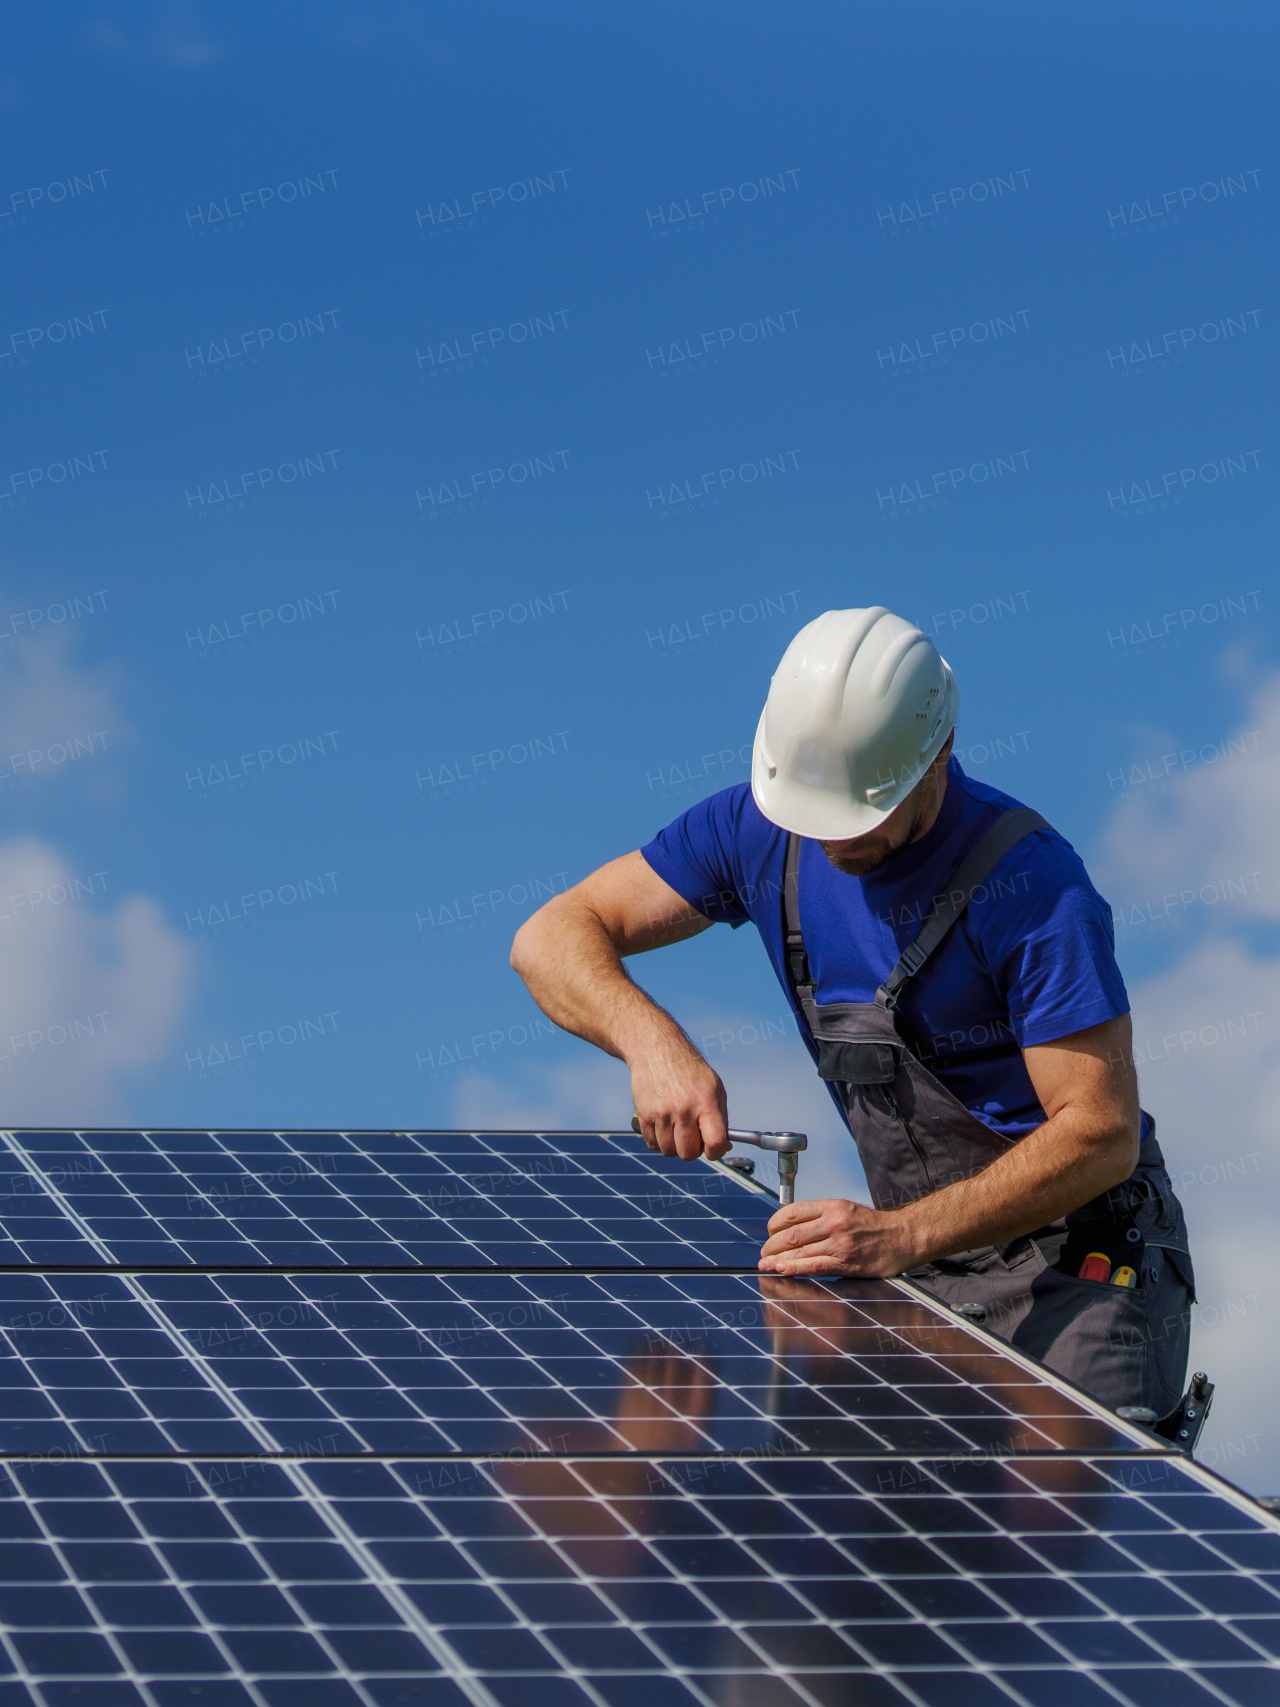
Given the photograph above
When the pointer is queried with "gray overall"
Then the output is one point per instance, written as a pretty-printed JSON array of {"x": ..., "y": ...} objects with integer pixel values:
[{"x": 1125, "y": 1345}]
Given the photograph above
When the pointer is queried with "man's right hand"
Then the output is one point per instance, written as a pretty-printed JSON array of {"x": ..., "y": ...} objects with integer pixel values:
[
  {"x": 570, "y": 955},
  {"x": 680, "y": 1101}
]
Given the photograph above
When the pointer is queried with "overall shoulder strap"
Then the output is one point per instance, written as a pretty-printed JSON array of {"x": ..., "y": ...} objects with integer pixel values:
[
  {"x": 797, "y": 955},
  {"x": 973, "y": 871}
]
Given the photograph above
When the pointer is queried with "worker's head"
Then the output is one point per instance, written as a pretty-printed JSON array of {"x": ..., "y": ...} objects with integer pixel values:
[{"x": 859, "y": 711}]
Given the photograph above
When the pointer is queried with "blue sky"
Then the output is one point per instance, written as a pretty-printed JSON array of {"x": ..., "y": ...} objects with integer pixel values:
[{"x": 426, "y": 431}]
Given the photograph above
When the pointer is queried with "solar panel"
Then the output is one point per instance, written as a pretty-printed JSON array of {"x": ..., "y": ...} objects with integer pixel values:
[
  {"x": 557, "y": 1480},
  {"x": 358, "y": 1198},
  {"x": 535, "y": 1363}
]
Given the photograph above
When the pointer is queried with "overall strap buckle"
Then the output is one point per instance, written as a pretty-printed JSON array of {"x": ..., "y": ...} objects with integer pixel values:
[{"x": 909, "y": 963}]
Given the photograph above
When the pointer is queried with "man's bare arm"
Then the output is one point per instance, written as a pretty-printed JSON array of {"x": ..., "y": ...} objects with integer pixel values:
[
  {"x": 1088, "y": 1143},
  {"x": 570, "y": 955}
]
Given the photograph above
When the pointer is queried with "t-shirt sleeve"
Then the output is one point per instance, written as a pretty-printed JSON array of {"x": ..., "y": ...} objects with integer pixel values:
[
  {"x": 699, "y": 856},
  {"x": 1049, "y": 941}
]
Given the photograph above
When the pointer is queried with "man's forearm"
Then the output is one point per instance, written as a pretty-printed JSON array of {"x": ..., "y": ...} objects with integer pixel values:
[
  {"x": 1088, "y": 1143},
  {"x": 575, "y": 974},
  {"x": 570, "y": 955},
  {"x": 1051, "y": 1171}
]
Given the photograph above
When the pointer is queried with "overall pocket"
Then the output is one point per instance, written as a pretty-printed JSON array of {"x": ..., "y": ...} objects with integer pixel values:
[
  {"x": 1095, "y": 1334},
  {"x": 845, "y": 1063},
  {"x": 1114, "y": 1237}
]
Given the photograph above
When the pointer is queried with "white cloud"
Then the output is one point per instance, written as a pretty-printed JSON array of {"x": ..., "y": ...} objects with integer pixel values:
[
  {"x": 88, "y": 997},
  {"x": 1208, "y": 1049},
  {"x": 1214, "y": 822},
  {"x": 176, "y": 37},
  {"x": 59, "y": 719},
  {"x": 1209, "y": 1071},
  {"x": 91, "y": 986},
  {"x": 401, "y": 29},
  {"x": 590, "y": 1094}
]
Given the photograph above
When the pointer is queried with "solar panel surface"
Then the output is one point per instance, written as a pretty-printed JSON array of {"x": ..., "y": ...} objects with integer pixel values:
[
  {"x": 397, "y": 1198},
  {"x": 589, "y": 1475}
]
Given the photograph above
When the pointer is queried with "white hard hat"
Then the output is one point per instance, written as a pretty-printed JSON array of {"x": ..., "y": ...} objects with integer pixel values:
[{"x": 858, "y": 710}]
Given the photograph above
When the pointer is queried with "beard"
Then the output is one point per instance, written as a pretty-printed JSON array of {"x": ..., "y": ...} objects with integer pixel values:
[
  {"x": 879, "y": 848},
  {"x": 862, "y": 864}
]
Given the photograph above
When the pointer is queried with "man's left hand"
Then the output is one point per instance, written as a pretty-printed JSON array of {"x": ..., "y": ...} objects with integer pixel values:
[{"x": 830, "y": 1236}]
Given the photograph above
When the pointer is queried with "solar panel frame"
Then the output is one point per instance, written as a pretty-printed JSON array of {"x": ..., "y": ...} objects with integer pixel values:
[{"x": 798, "y": 1544}]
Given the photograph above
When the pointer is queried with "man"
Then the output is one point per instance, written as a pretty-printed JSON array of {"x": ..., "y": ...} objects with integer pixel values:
[{"x": 952, "y": 971}]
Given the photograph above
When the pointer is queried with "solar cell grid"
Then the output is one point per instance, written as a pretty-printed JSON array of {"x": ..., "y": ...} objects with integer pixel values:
[
  {"x": 551, "y": 1478},
  {"x": 801, "y": 1571},
  {"x": 410, "y": 1362},
  {"x": 365, "y": 1198}
]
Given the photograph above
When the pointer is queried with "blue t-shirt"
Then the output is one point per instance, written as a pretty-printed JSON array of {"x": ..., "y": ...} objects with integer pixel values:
[{"x": 1031, "y": 960}]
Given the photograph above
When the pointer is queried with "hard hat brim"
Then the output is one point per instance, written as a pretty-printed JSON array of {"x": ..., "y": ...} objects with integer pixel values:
[
  {"x": 823, "y": 815},
  {"x": 805, "y": 811}
]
